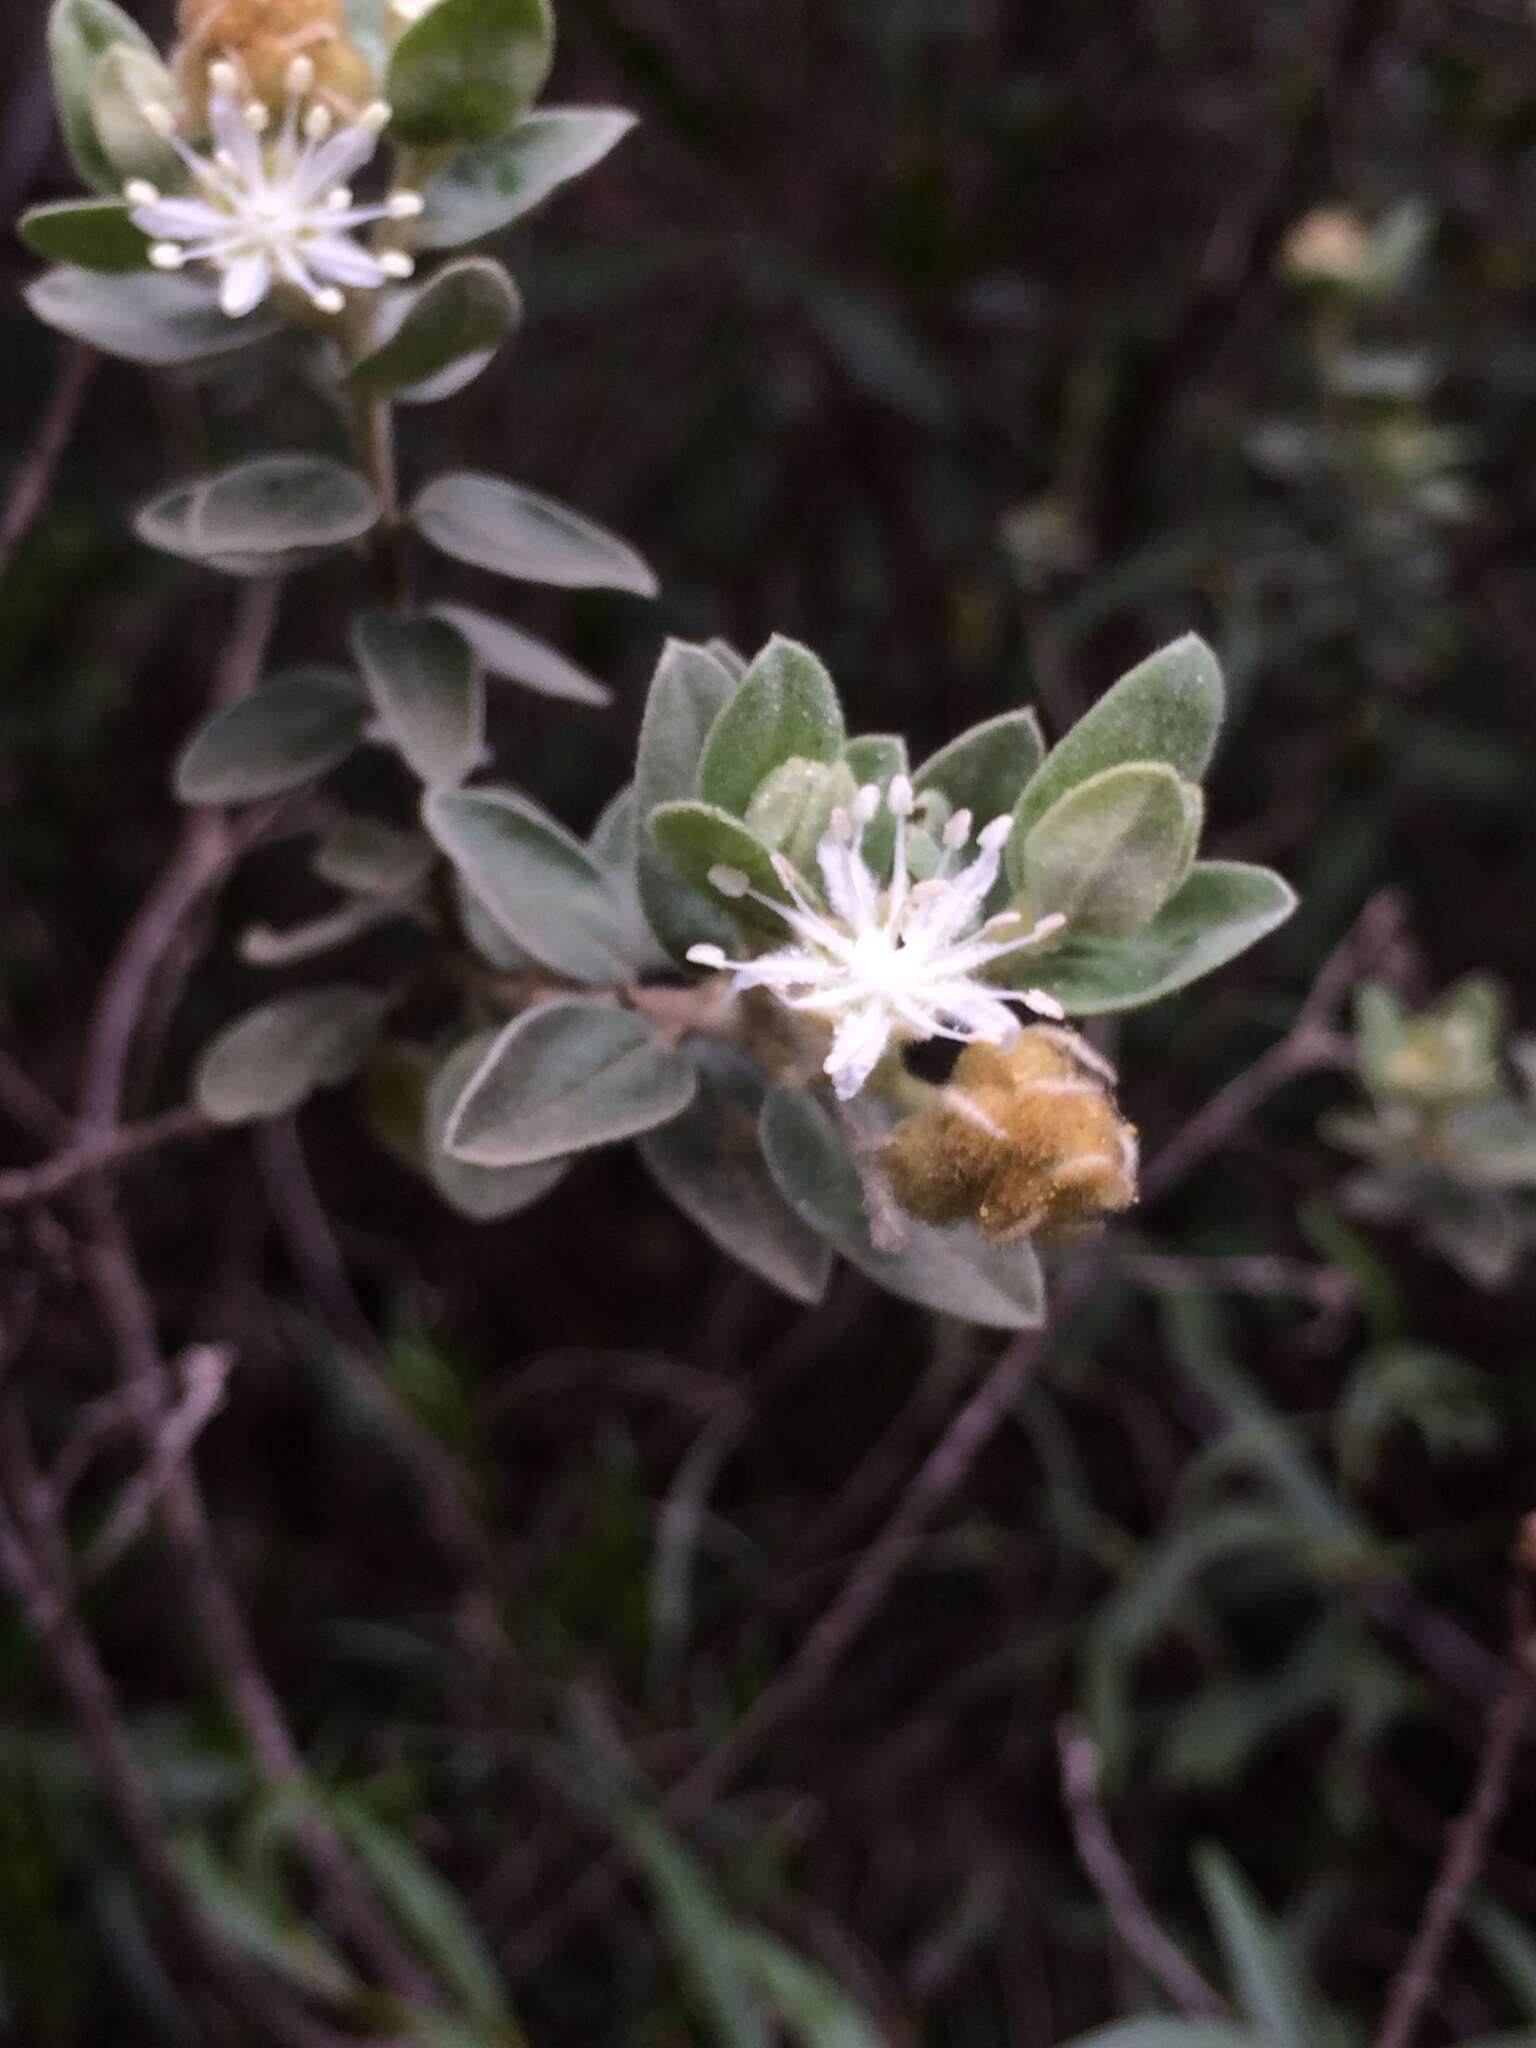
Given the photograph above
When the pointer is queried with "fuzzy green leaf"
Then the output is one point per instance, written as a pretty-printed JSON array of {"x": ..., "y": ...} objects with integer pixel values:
[
  {"x": 148, "y": 318},
  {"x": 96, "y": 234},
  {"x": 448, "y": 329},
  {"x": 786, "y": 707},
  {"x": 428, "y": 691},
  {"x": 518, "y": 657},
  {"x": 985, "y": 770},
  {"x": 1110, "y": 853},
  {"x": 276, "y": 513},
  {"x": 1222, "y": 909},
  {"x": 467, "y": 69},
  {"x": 954, "y": 1272},
  {"x": 366, "y": 857},
  {"x": 125, "y": 82},
  {"x": 688, "y": 692},
  {"x": 480, "y": 191},
  {"x": 565, "y": 1077},
  {"x": 277, "y": 1056},
  {"x": 80, "y": 33},
  {"x": 514, "y": 532},
  {"x": 710, "y": 1162},
  {"x": 698, "y": 838},
  {"x": 485, "y": 1194},
  {"x": 296, "y": 727},
  {"x": 1168, "y": 709},
  {"x": 539, "y": 884}
]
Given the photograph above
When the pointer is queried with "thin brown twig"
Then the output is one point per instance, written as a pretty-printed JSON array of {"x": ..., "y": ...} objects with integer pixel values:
[
  {"x": 103, "y": 1154},
  {"x": 33, "y": 483},
  {"x": 1466, "y": 1846},
  {"x": 1115, "y": 1882},
  {"x": 205, "y": 848}
]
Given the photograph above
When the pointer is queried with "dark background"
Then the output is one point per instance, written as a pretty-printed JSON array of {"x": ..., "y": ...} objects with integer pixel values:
[{"x": 951, "y": 337}]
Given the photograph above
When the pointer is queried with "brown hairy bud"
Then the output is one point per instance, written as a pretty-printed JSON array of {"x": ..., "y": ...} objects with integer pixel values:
[
  {"x": 1025, "y": 1141},
  {"x": 263, "y": 37}
]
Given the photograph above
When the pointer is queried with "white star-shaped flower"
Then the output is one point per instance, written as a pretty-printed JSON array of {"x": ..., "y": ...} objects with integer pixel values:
[
  {"x": 270, "y": 204},
  {"x": 890, "y": 963}
]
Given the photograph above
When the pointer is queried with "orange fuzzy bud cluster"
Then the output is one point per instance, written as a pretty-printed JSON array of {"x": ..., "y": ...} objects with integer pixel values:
[
  {"x": 263, "y": 37},
  {"x": 1025, "y": 1141}
]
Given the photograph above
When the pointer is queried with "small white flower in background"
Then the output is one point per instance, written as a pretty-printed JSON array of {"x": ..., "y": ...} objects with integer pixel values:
[
  {"x": 410, "y": 11},
  {"x": 270, "y": 205},
  {"x": 891, "y": 963}
]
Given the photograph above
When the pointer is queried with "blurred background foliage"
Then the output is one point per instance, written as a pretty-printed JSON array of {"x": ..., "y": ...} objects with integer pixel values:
[{"x": 984, "y": 346}]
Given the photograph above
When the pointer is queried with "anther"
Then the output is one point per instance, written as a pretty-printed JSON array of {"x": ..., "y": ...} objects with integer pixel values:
[
  {"x": 707, "y": 956},
  {"x": 301, "y": 76},
  {"x": 899, "y": 796},
  {"x": 406, "y": 205},
  {"x": 167, "y": 256},
  {"x": 140, "y": 192},
  {"x": 729, "y": 881},
  {"x": 395, "y": 263},
  {"x": 318, "y": 122},
  {"x": 329, "y": 300},
  {"x": 158, "y": 116},
  {"x": 957, "y": 831}
]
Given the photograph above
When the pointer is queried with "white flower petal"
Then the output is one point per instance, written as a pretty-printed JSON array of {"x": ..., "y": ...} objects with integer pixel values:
[
  {"x": 857, "y": 1045},
  {"x": 246, "y": 283},
  {"x": 344, "y": 261},
  {"x": 179, "y": 220}
]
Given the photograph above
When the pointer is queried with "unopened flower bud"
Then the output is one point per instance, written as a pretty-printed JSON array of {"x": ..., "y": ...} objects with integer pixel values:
[{"x": 1025, "y": 1141}]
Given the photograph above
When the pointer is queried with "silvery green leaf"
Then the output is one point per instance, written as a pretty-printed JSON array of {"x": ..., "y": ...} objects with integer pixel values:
[
  {"x": 467, "y": 69},
  {"x": 518, "y": 657},
  {"x": 515, "y": 532},
  {"x": 710, "y": 1162},
  {"x": 454, "y": 322},
  {"x": 145, "y": 318},
  {"x": 296, "y": 727},
  {"x": 124, "y": 83},
  {"x": 1167, "y": 709},
  {"x": 96, "y": 234},
  {"x": 428, "y": 691},
  {"x": 540, "y": 885},
  {"x": 262, "y": 517},
  {"x": 954, "y": 1272},
  {"x": 366, "y": 857},
  {"x": 481, "y": 190},
  {"x": 1110, "y": 853},
  {"x": 496, "y": 948},
  {"x": 80, "y": 33},
  {"x": 698, "y": 839},
  {"x": 1496, "y": 1144},
  {"x": 614, "y": 839},
  {"x": 266, "y": 945},
  {"x": 614, "y": 845},
  {"x": 1479, "y": 1230},
  {"x": 1222, "y": 909},
  {"x": 785, "y": 707},
  {"x": 689, "y": 690},
  {"x": 275, "y": 1057},
  {"x": 565, "y": 1077},
  {"x": 985, "y": 770}
]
